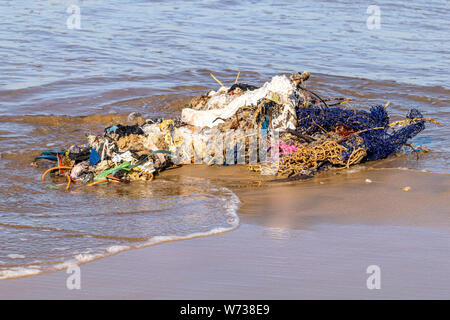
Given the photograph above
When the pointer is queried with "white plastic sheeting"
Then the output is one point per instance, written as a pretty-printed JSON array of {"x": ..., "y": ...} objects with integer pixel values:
[{"x": 222, "y": 105}]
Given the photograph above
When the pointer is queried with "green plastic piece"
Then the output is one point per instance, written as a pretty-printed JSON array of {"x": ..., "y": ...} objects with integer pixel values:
[{"x": 102, "y": 175}]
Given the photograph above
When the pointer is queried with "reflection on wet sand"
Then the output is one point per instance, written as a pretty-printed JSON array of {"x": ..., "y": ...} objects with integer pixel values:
[{"x": 338, "y": 197}]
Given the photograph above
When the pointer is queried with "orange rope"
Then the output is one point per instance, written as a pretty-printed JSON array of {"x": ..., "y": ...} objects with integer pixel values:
[
  {"x": 69, "y": 180},
  {"x": 113, "y": 178},
  {"x": 149, "y": 174},
  {"x": 108, "y": 178},
  {"x": 55, "y": 168},
  {"x": 97, "y": 182}
]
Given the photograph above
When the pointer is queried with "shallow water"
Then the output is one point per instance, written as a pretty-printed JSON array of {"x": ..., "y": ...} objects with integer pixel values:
[
  {"x": 56, "y": 84},
  {"x": 84, "y": 225}
]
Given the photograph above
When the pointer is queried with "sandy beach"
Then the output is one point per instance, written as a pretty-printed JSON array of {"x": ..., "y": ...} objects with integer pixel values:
[
  {"x": 288, "y": 247},
  {"x": 365, "y": 86}
]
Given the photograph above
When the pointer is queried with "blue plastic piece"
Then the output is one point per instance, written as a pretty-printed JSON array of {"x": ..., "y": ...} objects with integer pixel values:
[
  {"x": 94, "y": 158},
  {"x": 111, "y": 129},
  {"x": 47, "y": 157}
]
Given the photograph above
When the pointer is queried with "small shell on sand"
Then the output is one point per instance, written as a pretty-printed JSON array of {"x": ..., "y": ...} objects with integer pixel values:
[
  {"x": 406, "y": 188},
  {"x": 368, "y": 181}
]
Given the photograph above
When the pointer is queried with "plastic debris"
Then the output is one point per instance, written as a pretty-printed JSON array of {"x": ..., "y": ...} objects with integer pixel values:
[
  {"x": 281, "y": 128},
  {"x": 79, "y": 170},
  {"x": 94, "y": 158},
  {"x": 221, "y": 105}
]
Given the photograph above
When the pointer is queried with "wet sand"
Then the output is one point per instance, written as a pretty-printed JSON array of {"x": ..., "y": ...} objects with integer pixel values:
[
  {"x": 306, "y": 239},
  {"x": 299, "y": 240}
]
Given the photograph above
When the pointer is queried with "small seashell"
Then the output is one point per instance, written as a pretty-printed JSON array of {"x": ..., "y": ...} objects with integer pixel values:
[
  {"x": 406, "y": 188},
  {"x": 368, "y": 181}
]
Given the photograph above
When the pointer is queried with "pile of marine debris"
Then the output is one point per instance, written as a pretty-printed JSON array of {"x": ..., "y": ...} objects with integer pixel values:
[{"x": 281, "y": 128}]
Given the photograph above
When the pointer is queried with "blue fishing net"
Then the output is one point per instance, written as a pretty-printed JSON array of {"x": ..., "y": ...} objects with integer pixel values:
[
  {"x": 313, "y": 119},
  {"x": 376, "y": 137},
  {"x": 380, "y": 143}
]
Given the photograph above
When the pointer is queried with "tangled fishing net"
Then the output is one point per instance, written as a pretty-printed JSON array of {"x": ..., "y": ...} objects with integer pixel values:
[{"x": 242, "y": 124}]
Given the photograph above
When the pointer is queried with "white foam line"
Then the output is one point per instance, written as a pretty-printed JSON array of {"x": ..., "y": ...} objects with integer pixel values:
[
  {"x": 231, "y": 205},
  {"x": 18, "y": 273}
]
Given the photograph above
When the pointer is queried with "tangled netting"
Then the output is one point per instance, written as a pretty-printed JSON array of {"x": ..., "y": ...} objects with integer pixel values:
[
  {"x": 306, "y": 158},
  {"x": 368, "y": 130},
  {"x": 313, "y": 119}
]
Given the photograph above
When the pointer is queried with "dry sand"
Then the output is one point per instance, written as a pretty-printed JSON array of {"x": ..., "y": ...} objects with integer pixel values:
[{"x": 305, "y": 239}]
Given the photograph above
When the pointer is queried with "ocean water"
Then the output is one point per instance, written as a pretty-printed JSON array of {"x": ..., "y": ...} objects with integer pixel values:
[
  {"x": 58, "y": 83},
  {"x": 78, "y": 227}
]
